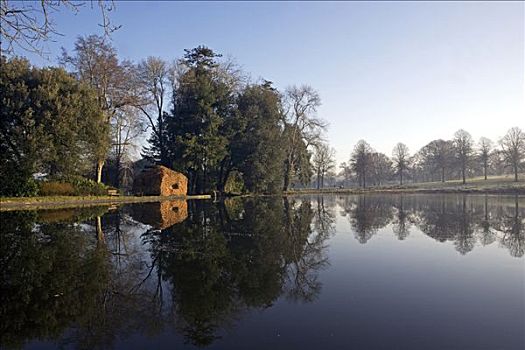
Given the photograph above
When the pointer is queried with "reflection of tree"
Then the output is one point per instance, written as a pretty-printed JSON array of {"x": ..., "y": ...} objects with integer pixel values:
[
  {"x": 241, "y": 254},
  {"x": 402, "y": 220},
  {"x": 447, "y": 219},
  {"x": 467, "y": 219},
  {"x": 306, "y": 249},
  {"x": 51, "y": 276},
  {"x": 512, "y": 227},
  {"x": 461, "y": 219},
  {"x": 485, "y": 232},
  {"x": 436, "y": 219},
  {"x": 464, "y": 240},
  {"x": 58, "y": 276},
  {"x": 367, "y": 215},
  {"x": 85, "y": 285}
]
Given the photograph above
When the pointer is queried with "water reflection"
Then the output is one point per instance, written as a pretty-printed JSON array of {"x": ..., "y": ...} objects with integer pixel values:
[
  {"x": 90, "y": 277},
  {"x": 464, "y": 220}
]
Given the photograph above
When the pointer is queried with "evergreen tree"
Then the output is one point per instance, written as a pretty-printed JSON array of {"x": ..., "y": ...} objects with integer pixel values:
[
  {"x": 196, "y": 133},
  {"x": 257, "y": 148}
]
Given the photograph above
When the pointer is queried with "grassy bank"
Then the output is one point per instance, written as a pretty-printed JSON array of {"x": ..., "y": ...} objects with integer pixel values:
[
  {"x": 15, "y": 203},
  {"x": 494, "y": 185}
]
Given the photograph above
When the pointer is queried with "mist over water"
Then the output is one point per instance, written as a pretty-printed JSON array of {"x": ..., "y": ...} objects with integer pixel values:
[{"x": 330, "y": 272}]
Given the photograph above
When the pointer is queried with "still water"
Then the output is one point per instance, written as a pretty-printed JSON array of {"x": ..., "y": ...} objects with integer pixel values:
[{"x": 320, "y": 272}]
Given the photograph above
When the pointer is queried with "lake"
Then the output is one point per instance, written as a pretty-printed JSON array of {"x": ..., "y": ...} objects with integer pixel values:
[{"x": 306, "y": 272}]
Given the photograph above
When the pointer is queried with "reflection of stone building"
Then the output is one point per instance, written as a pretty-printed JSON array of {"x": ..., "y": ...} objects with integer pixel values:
[
  {"x": 160, "y": 181},
  {"x": 161, "y": 215}
]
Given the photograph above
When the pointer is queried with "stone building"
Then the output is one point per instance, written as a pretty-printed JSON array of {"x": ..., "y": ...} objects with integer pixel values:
[{"x": 160, "y": 181}]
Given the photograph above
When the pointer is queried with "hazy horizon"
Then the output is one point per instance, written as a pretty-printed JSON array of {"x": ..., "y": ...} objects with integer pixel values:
[{"x": 386, "y": 72}]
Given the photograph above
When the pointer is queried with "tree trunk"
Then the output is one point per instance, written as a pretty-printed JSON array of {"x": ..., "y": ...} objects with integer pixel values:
[
  {"x": 515, "y": 172},
  {"x": 100, "y": 165},
  {"x": 286, "y": 183},
  {"x": 485, "y": 170},
  {"x": 117, "y": 175},
  {"x": 442, "y": 174},
  {"x": 318, "y": 179},
  {"x": 100, "y": 233},
  {"x": 322, "y": 180},
  {"x": 401, "y": 177},
  {"x": 463, "y": 175}
]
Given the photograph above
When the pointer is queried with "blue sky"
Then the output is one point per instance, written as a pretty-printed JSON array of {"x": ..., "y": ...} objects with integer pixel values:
[{"x": 386, "y": 71}]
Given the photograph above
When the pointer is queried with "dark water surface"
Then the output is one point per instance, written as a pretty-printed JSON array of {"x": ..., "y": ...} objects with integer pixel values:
[{"x": 329, "y": 272}]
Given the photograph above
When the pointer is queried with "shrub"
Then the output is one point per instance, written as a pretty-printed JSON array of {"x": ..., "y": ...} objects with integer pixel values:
[
  {"x": 72, "y": 186},
  {"x": 16, "y": 182},
  {"x": 56, "y": 188},
  {"x": 87, "y": 187}
]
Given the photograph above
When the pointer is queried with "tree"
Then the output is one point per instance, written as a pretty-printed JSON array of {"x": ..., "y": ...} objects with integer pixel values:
[
  {"x": 126, "y": 126},
  {"x": 49, "y": 123},
  {"x": 153, "y": 80},
  {"x": 197, "y": 133},
  {"x": 463, "y": 147},
  {"x": 361, "y": 161},
  {"x": 323, "y": 161},
  {"x": 485, "y": 148},
  {"x": 346, "y": 172},
  {"x": 381, "y": 168},
  {"x": 401, "y": 156},
  {"x": 437, "y": 156},
  {"x": 302, "y": 129},
  {"x": 29, "y": 24},
  {"x": 256, "y": 149},
  {"x": 513, "y": 149},
  {"x": 96, "y": 63}
]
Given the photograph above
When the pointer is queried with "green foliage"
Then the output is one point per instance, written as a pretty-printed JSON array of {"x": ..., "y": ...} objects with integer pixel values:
[
  {"x": 49, "y": 123},
  {"x": 16, "y": 184},
  {"x": 86, "y": 187},
  {"x": 234, "y": 183},
  {"x": 196, "y": 132},
  {"x": 256, "y": 149}
]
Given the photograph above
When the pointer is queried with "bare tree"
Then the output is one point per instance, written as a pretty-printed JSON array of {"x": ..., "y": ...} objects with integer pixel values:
[
  {"x": 401, "y": 156},
  {"x": 153, "y": 81},
  {"x": 346, "y": 172},
  {"x": 513, "y": 149},
  {"x": 485, "y": 147},
  {"x": 381, "y": 168},
  {"x": 324, "y": 161},
  {"x": 437, "y": 156},
  {"x": 304, "y": 126},
  {"x": 463, "y": 147},
  {"x": 96, "y": 63},
  {"x": 29, "y": 24},
  {"x": 361, "y": 161},
  {"x": 126, "y": 127}
]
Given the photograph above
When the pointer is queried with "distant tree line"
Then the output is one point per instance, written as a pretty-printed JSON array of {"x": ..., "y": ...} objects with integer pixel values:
[
  {"x": 439, "y": 160},
  {"x": 203, "y": 115}
]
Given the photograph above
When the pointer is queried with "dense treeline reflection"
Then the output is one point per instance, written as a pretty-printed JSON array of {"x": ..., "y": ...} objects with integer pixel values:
[
  {"x": 88, "y": 278},
  {"x": 462, "y": 219},
  {"x": 91, "y": 283}
]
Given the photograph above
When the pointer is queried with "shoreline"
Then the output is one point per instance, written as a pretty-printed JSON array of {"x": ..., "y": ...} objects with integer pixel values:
[
  {"x": 57, "y": 202},
  {"x": 51, "y": 202},
  {"x": 356, "y": 191}
]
